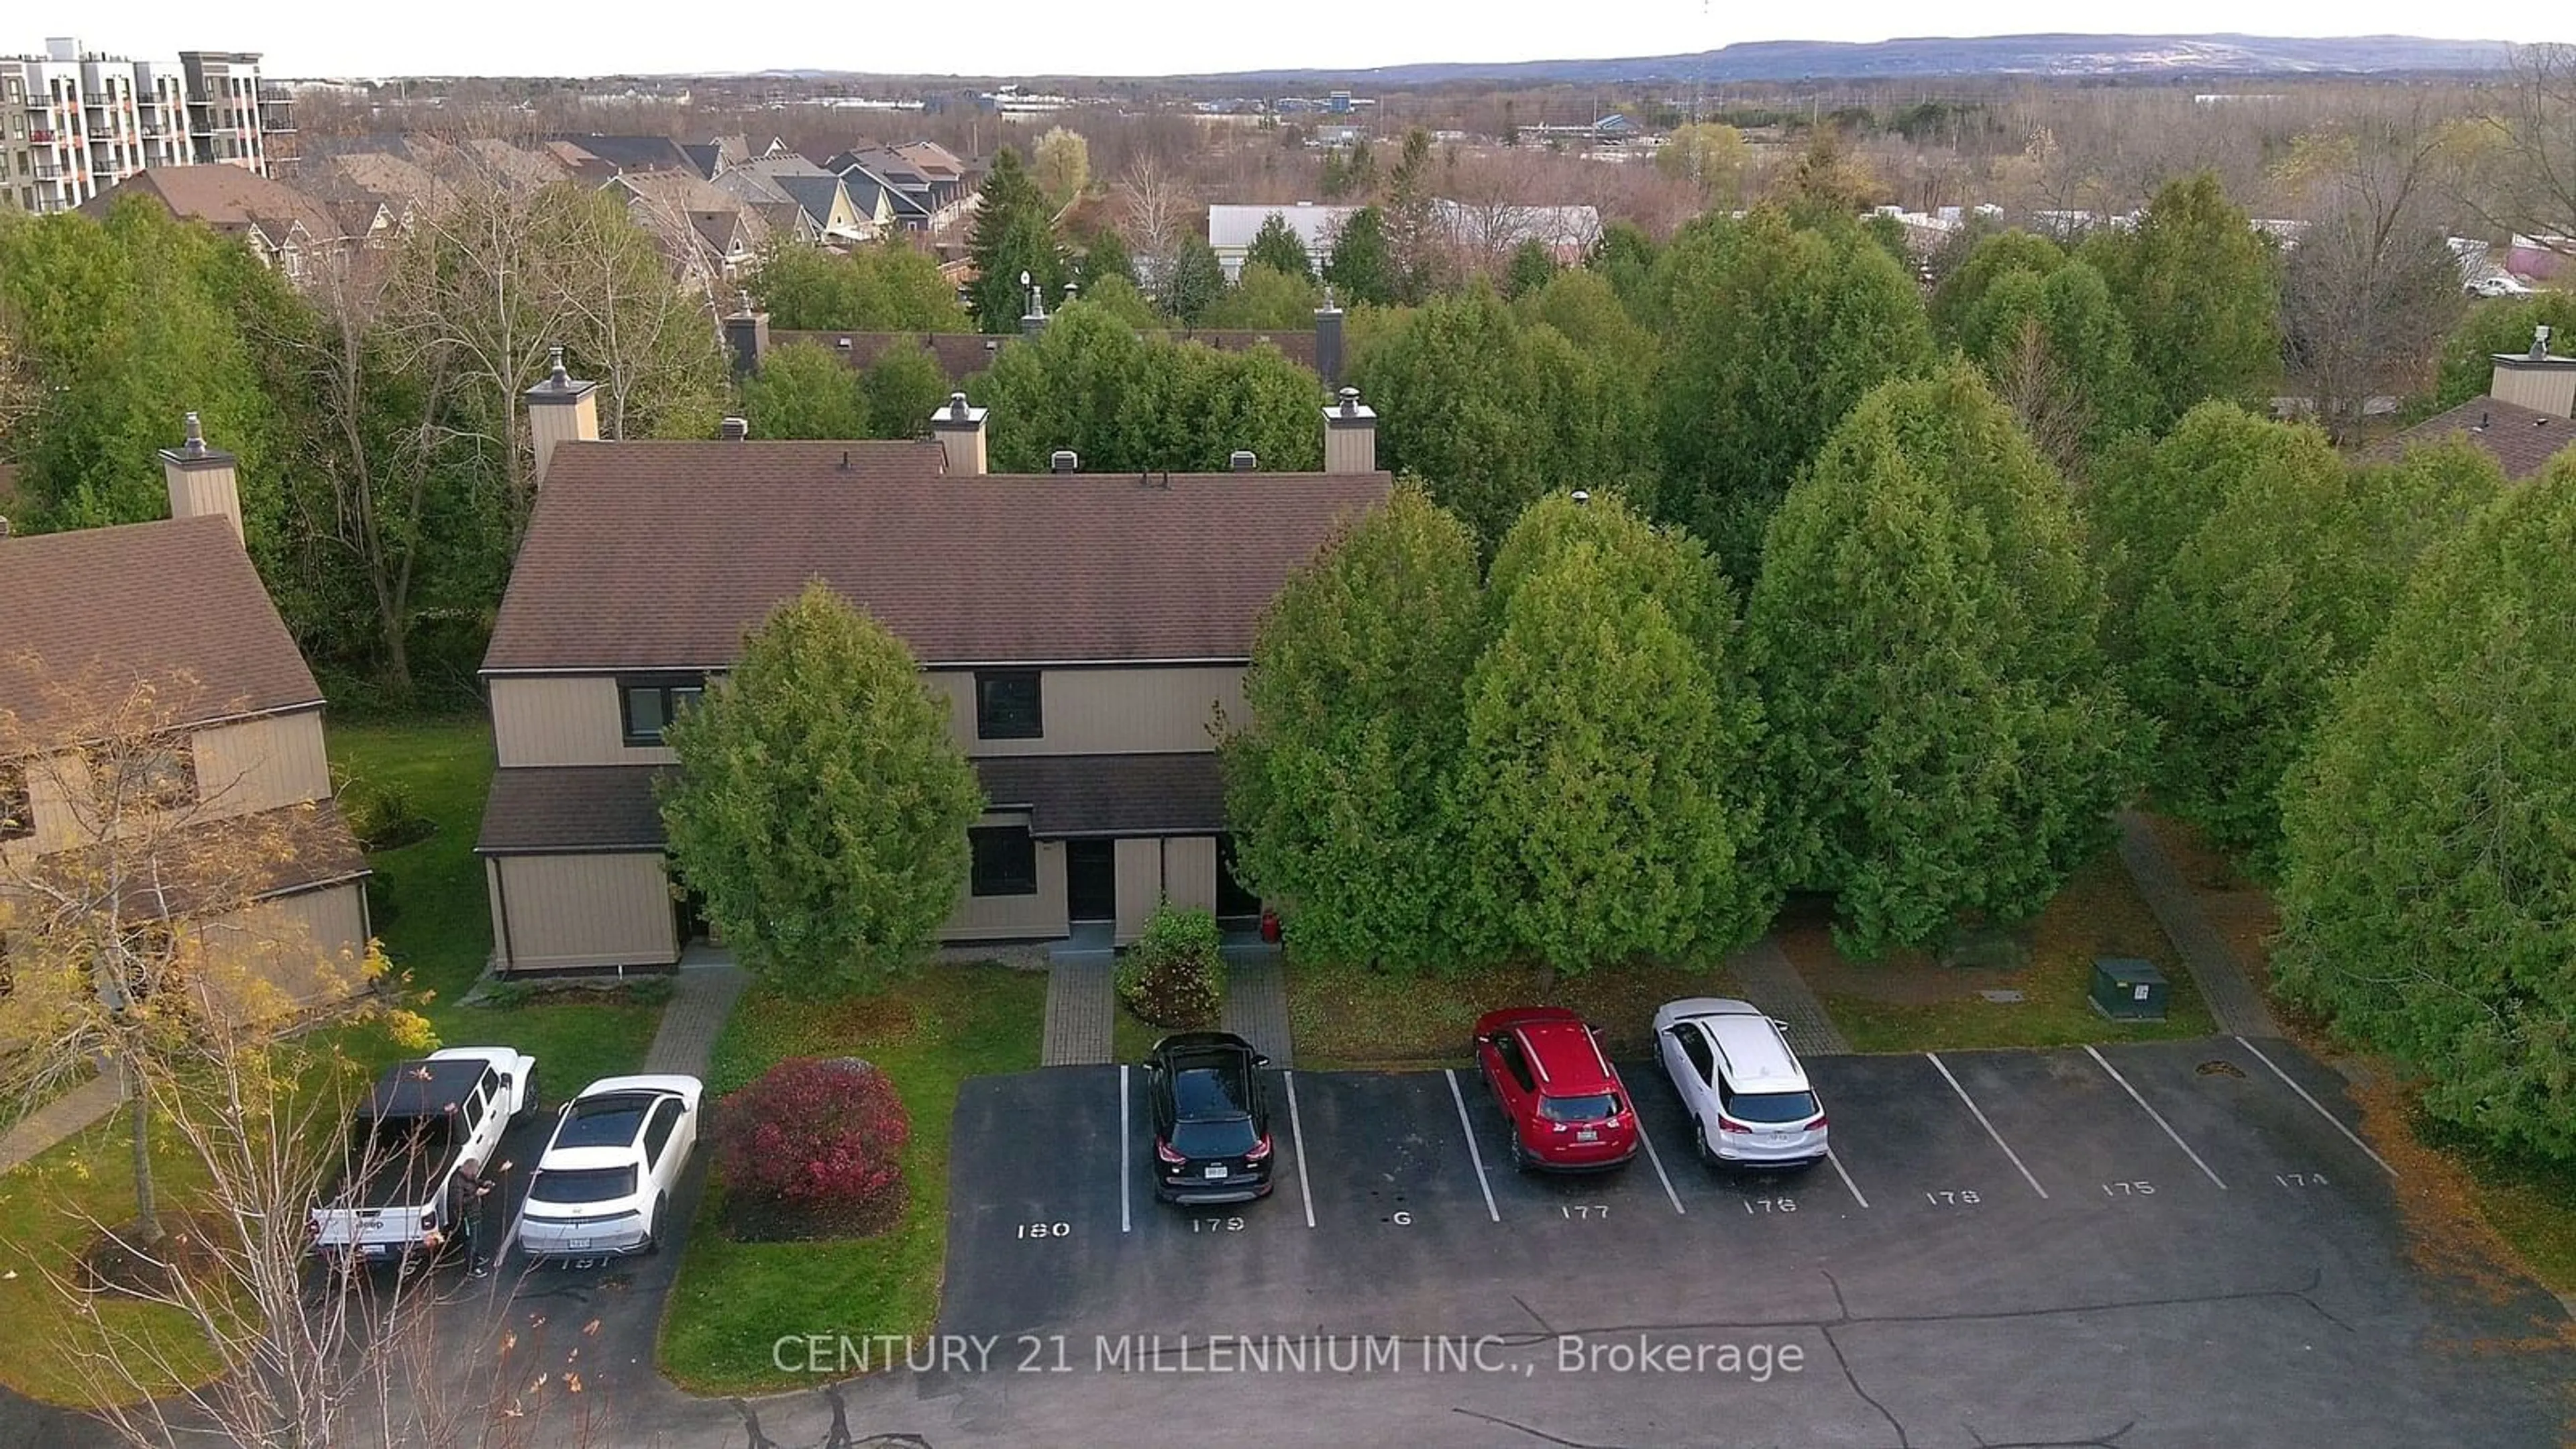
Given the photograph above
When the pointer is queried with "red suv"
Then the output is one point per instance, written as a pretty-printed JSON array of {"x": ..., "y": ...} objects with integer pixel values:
[{"x": 1566, "y": 1107}]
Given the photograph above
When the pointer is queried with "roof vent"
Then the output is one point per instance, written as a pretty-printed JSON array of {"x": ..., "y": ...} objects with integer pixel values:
[
  {"x": 957, "y": 406},
  {"x": 4, "y": 527},
  {"x": 1244, "y": 460},
  {"x": 561, "y": 379},
  {"x": 194, "y": 445},
  {"x": 842, "y": 343},
  {"x": 1350, "y": 397},
  {"x": 1581, "y": 497},
  {"x": 1064, "y": 460},
  {"x": 734, "y": 430},
  {"x": 2540, "y": 342}
]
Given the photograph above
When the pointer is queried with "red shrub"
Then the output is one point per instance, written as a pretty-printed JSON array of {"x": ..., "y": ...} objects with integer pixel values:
[{"x": 814, "y": 1148}]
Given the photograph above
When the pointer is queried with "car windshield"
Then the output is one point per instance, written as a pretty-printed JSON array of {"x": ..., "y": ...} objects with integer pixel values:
[
  {"x": 1207, "y": 1091},
  {"x": 1772, "y": 1106},
  {"x": 1589, "y": 1108},
  {"x": 588, "y": 1184},
  {"x": 1214, "y": 1139}
]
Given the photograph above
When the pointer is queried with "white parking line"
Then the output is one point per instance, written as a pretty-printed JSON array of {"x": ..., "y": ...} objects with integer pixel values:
[
  {"x": 1469, "y": 1127},
  {"x": 1647, "y": 1139},
  {"x": 1989, "y": 1126},
  {"x": 1298, "y": 1131},
  {"x": 2100, "y": 1061},
  {"x": 2313, "y": 1102},
  {"x": 1126, "y": 1168},
  {"x": 1846, "y": 1177}
]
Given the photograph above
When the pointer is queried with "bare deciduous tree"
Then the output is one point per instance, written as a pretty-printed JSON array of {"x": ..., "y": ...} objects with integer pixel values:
[{"x": 1153, "y": 207}]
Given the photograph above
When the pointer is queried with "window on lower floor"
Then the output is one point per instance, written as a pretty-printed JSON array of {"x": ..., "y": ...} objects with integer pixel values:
[
  {"x": 1006, "y": 861},
  {"x": 647, "y": 706},
  {"x": 159, "y": 774},
  {"x": 1007, "y": 705}
]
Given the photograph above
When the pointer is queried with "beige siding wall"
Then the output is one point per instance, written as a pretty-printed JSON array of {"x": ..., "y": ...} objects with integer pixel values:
[
  {"x": 563, "y": 721},
  {"x": 1108, "y": 711},
  {"x": 242, "y": 768},
  {"x": 563, "y": 912},
  {"x": 1140, "y": 884},
  {"x": 1014, "y": 918},
  {"x": 2544, "y": 389},
  {"x": 261, "y": 764},
  {"x": 313, "y": 945},
  {"x": 1189, "y": 871}
]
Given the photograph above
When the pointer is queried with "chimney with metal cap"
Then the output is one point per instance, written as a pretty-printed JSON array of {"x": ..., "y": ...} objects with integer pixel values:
[
  {"x": 1034, "y": 320},
  {"x": 960, "y": 431},
  {"x": 2534, "y": 379},
  {"x": 1350, "y": 435},
  {"x": 1244, "y": 460},
  {"x": 561, "y": 409},
  {"x": 202, "y": 479},
  {"x": 734, "y": 430},
  {"x": 1064, "y": 460},
  {"x": 746, "y": 333},
  {"x": 1328, "y": 343}
]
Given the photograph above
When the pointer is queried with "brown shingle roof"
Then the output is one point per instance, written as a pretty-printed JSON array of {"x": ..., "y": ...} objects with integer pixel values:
[
  {"x": 175, "y": 603},
  {"x": 1164, "y": 794},
  {"x": 299, "y": 848},
  {"x": 661, "y": 554},
  {"x": 229, "y": 199},
  {"x": 557, "y": 809},
  {"x": 2522, "y": 440},
  {"x": 582, "y": 809}
]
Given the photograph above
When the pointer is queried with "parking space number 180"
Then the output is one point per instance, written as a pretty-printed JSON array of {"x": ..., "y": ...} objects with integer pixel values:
[{"x": 1046, "y": 1230}]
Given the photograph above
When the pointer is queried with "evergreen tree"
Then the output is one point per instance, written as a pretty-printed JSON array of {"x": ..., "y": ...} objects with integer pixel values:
[
  {"x": 1127, "y": 403},
  {"x": 1946, "y": 745},
  {"x": 900, "y": 389},
  {"x": 2429, "y": 900},
  {"x": 1103, "y": 258},
  {"x": 1014, "y": 233},
  {"x": 888, "y": 287},
  {"x": 1277, "y": 246},
  {"x": 1197, "y": 280},
  {"x": 804, "y": 390},
  {"x": 1337, "y": 786},
  {"x": 1994, "y": 256},
  {"x": 1531, "y": 267},
  {"x": 1361, "y": 266},
  {"x": 2503, "y": 324},
  {"x": 821, "y": 805},
  {"x": 1775, "y": 332},
  {"x": 2057, "y": 351},
  {"x": 2202, "y": 293},
  {"x": 1612, "y": 741},
  {"x": 1264, "y": 298}
]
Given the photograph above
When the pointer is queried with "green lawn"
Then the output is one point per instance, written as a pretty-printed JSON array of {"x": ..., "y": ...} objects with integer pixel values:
[
  {"x": 2052, "y": 1013},
  {"x": 1359, "y": 1018},
  {"x": 929, "y": 1032}
]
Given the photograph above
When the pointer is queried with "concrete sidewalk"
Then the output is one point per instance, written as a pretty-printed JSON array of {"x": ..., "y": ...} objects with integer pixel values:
[
  {"x": 2240, "y": 1010},
  {"x": 65, "y": 1116}
]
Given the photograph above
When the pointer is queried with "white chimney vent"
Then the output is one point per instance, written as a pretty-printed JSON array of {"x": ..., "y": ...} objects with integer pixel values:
[
  {"x": 1064, "y": 460},
  {"x": 1244, "y": 460}
]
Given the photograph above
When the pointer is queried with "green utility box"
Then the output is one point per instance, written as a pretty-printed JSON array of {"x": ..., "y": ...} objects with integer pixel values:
[{"x": 2128, "y": 989}]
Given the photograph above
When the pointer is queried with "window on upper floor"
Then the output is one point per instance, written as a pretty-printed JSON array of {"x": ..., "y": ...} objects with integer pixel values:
[
  {"x": 17, "y": 807},
  {"x": 159, "y": 774},
  {"x": 1008, "y": 705},
  {"x": 648, "y": 704},
  {"x": 1006, "y": 861}
]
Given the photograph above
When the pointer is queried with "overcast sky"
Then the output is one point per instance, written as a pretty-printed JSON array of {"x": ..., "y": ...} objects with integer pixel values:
[{"x": 1128, "y": 37}]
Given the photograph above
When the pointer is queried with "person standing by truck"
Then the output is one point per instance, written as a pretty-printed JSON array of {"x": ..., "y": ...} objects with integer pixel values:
[{"x": 465, "y": 1193}]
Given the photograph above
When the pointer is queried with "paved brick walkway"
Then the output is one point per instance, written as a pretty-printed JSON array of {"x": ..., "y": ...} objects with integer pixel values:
[
  {"x": 701, "y": 998},
  {"x": 65, "y": 1115},
  {"x": 1762, "y": 971},
  {"x": 1256, "y": 1001},
  {"x": 1079, "y": 1004},
  {"x": 2238, "y": 1007}
]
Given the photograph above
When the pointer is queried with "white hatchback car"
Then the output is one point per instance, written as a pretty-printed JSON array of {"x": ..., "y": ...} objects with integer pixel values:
[
  {"x": 1749, "y": 1100},
  {"x": 605, "y": 1183}
]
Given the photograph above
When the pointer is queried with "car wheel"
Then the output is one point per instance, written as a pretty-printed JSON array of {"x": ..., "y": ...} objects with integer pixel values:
[
  {"x": 527, "y": 1097},
  {"x": 653, "y": 1231},
  {"x": 1520, "y": 1154},
  {"x": 1707, "y": 1153}
]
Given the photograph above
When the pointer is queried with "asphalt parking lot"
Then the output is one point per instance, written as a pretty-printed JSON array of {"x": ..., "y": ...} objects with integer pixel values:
[{"x": 2163, "y": 1243}]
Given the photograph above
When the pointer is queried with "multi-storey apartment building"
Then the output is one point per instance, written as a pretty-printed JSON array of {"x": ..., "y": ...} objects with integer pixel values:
[
  {"x": 1089, "y": 631},
  {"x": 91, "y": 120}
]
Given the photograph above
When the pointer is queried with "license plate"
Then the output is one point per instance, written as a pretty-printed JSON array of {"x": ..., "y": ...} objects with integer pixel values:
[
  {"x": 1216, "y": 1169},
  {"x": 577, "y": 1244},
  {"x": 1587, "y": 1135}
]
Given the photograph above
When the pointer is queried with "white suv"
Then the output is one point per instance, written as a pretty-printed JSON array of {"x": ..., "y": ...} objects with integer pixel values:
[
  {"x": 1749, "y": 1100},
  {"x": 605, "y": 1184}
]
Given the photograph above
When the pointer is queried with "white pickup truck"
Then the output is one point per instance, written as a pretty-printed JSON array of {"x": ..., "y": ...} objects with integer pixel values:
[{"x": 423, "y": 1121}]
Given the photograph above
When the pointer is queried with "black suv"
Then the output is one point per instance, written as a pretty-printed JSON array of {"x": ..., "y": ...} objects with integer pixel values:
[{"x": 1211, "y": 1118}]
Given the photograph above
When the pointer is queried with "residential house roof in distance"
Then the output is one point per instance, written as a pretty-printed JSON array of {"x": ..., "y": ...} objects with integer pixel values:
[
  {"x": 175, "y": 603},
  {"x": 634, "y": 153},
  {"x": 230, "y": 199},
  {"x": 644, "y": 555},
  {"x": 2522, "y": 440}
]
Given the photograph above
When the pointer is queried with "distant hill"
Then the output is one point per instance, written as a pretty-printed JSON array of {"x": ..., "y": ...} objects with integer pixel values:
[{"x": 2044, "y": 55}]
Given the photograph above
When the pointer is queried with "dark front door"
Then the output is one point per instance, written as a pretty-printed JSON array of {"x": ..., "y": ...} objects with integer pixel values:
[
  {"x": 1091, "y": 880},
  {"x": 1233, "y": 902}
]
